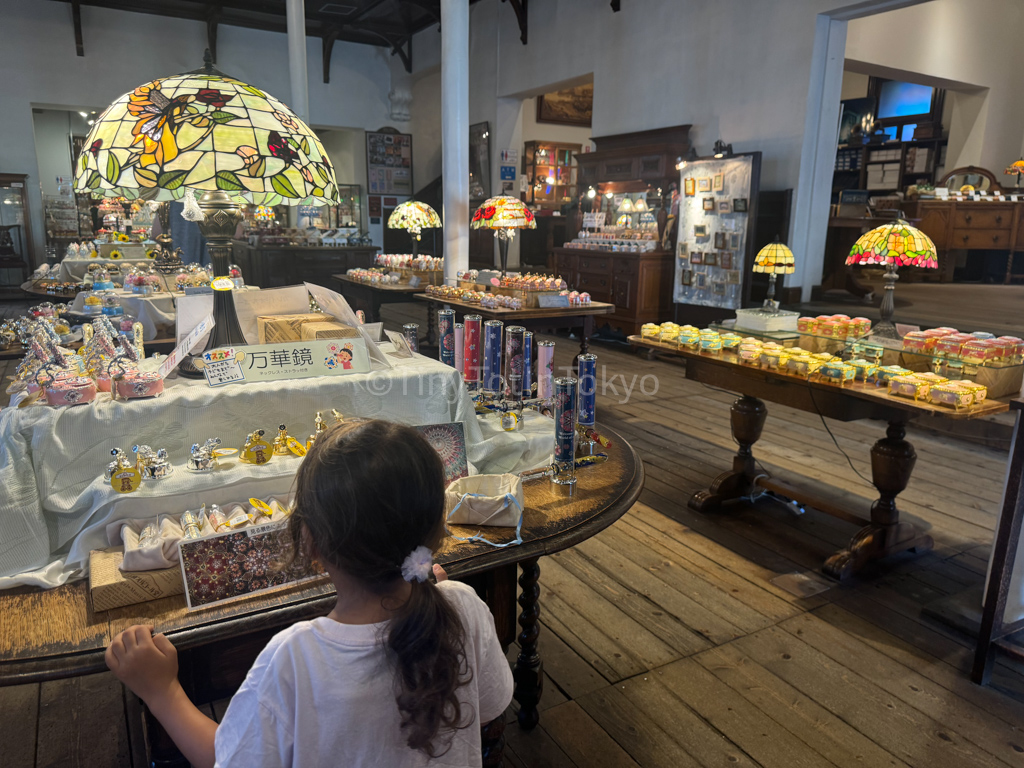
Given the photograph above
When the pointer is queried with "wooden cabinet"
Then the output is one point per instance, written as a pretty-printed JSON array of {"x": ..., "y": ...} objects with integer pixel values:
[
  {"x": 638, "y": 284},
  {"x": 276, "y": 265},
  {"x": 551, "y": 172}
]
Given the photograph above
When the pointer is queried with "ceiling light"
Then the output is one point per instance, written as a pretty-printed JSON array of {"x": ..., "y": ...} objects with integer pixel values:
[
  {"x": 591, "y": 193},
  {"x": 609, "y": 194}
]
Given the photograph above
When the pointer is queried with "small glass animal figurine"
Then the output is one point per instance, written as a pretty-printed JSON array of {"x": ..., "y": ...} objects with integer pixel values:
[
  {"x": 281, "y": 441},
  {"x": 203, "y": 457},
  {"x": 318, "y": 426}
]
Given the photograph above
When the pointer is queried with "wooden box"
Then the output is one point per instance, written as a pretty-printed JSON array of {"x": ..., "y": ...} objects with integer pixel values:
[
  {"x": 427, "y": 277},
  {"x": 275, "y": 328},
  {"x": 330, "y": 329},
  {"x": 110, "y": 587}
]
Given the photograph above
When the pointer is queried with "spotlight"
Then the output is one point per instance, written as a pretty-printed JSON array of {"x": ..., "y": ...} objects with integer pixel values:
[{"x": 722, "y": 150}]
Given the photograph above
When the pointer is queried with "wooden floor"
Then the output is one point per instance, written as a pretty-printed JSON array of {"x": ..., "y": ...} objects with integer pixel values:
[{"x": 668, "y": 639}]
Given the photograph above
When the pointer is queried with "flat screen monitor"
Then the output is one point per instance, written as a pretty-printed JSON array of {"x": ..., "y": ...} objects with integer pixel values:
[{"x": 896, "y": 99}]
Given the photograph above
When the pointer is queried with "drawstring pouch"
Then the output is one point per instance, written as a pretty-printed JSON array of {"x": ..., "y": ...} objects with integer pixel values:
[{"x": 486, "y": 500}]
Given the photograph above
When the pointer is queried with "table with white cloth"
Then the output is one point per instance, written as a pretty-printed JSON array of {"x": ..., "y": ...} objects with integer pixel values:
[
  {"x": 156, "y": 311},
  {"x": 56, "y": 503},
  {"x": 74, "y": 270}
]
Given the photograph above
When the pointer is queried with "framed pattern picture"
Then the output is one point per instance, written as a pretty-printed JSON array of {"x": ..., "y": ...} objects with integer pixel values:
[
  {"x": 709, "y": 204},
  {"x": 725, "y": 259},
  {"x": 711, "y": 259},
  {"x": 700, "y": 230},
  {"x": 389, "y": 163},
  {"x": 739, "y": 205},
  {"x": 689, "y": 186},
  {"x": 696, "y": 257},
  {"x": 684, "y": 248},
  {"x": 720, "y": 239},
  {"x": 700, "y": 280},
  {"x": 724, "y": 206},
  {"x": 719, "y": 182},
  {"x": 686, "y": 277},
  {"x": 704, "y": 184}
]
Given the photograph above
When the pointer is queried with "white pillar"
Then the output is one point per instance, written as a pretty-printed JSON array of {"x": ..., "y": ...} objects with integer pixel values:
[
  {"x": 455, "y": 135},
  {"x": 297, "y": 59}
]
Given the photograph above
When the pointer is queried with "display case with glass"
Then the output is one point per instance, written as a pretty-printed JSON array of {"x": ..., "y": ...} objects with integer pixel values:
[
  {"x": 14, "y": 228},
  {"x": 550, "y": 171}
]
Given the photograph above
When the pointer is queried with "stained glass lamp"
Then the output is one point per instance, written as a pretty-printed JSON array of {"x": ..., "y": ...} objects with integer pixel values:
[
  {"x": 894, "y": 245},
  {"x": 413, "y": 216},
  {"x": 774, "y": 259},
  {"x": 504, "y": 214},
  {"x": 1016, "y": 168},
  {"x": 205, "y": 133}
]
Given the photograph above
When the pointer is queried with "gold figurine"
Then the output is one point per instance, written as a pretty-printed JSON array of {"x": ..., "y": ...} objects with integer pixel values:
[
  {"x": 281, "y": 441},
  {"x": 318, "y": 426},
  {"x": 256, "y": 450}
]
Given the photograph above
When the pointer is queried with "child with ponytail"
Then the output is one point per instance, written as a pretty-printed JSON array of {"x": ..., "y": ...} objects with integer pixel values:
[{"x": 402, "y": 672}]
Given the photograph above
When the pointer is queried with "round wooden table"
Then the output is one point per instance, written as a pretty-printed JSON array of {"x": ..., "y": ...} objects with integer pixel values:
[{"x": 53, "y": 634}]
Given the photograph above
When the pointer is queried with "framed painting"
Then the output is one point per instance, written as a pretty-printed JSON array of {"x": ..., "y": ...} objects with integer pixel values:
[
  {"x": 689, "y": 186},
  {"x": 711, "y": 258},
  {"x": 704, "y": 184},
  {"x": 709, "y": 204},
  {"x": 719, "y": 182},
  {"x": 570, "y": 106}
]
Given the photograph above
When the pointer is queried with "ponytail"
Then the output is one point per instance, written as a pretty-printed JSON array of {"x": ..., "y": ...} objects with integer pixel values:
[{"x": 426, "y": 646}]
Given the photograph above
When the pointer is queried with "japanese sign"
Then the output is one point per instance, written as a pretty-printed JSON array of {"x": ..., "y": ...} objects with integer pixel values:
[
  {"x": 223, "y": 366},
  {"x": 304, "y": 359}
]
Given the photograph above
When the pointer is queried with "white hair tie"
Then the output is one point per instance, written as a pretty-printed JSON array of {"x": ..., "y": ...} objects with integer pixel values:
[{"x": 418, "y": 565}]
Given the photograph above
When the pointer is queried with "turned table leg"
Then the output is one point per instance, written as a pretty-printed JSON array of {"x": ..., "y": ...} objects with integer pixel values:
[
  {"x": 492, "y": 743},
  {"x": 529, "y": 669},
  {"x": 892, "y": 462},
  {"x": 747, "y": 417}
]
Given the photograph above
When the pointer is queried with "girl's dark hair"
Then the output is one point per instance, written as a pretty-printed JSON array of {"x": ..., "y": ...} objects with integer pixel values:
[{"x": 369, "y": 493}]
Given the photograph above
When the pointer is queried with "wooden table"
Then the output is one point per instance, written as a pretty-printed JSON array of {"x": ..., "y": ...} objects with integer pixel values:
[
  {"x": 534, "y": 318},
  {"x": 52, "y": 634},
  {"x": 368, "y": 297},
  {"x": 892, "y": 457}
]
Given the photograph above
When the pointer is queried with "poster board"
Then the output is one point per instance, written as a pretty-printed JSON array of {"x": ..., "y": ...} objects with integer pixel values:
[
  {"x": 715, "y": 244},
  {"x": 389, "y": 163}
]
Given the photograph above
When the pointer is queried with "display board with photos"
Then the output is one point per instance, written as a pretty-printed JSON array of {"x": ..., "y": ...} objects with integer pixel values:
[
  {"x": 714, "y": 246},
  {"x": 389, "y": 163}
]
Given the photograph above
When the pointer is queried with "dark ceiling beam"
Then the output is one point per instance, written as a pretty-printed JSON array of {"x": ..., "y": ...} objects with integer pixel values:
[
  {"x": 519, "y": 6},
  {"x": 327, "y": 48},
  {"x": 429, "y": 8},
  {"x": 402, "y": 47},
  {"x": 76, "y": 17},
  {"x": 615, "y": 6}
]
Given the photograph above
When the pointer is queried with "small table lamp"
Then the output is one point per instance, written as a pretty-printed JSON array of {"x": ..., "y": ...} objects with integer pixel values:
[
  {"x": 205, "y": 133},
  {"x": 895, "y": 245},
  {"x": 504, "y": 214},
  {"x": 1016, "y": 168},
  {"x": 413, "y": 216},
  {"x": 774, "y": 259}
]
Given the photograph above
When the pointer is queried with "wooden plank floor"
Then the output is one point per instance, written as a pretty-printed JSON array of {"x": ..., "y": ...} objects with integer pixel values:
[{"x": 666, "y": 641}]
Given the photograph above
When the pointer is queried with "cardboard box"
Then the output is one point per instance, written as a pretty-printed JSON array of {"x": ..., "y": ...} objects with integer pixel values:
[
  {"x": 275, "y": 328},
  {"x": 110, "y": 587},
  {"x": 330, "y": 329}
]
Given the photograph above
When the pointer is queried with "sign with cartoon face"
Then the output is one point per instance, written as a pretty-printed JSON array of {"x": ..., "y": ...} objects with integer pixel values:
[{"x": 302, "y": 359}]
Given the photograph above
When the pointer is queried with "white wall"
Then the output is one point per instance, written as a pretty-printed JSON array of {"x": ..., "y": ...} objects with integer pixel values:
[
  {"x": 567, "y": 134},
  {"x": 38, "y": 66},
  {"x": 972, "y": 48}
]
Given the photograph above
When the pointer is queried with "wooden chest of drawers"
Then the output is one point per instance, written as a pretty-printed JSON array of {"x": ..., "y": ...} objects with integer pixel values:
[{"x": 638, "y": 284}]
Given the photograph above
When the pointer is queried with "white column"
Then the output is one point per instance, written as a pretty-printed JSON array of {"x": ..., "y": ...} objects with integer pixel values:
[
  {"x": 297, "y": 59},
  {"x": 455, "y": 135}
]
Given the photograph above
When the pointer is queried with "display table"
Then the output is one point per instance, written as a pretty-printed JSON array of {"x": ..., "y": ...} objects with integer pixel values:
[
  {"x": 156, "y": 312},
  {"x": 74, "y": 270},
  {"x": 55, "y": 504},
  {"x": 534, "y": 318},
  {"x": 892, "y": 457},
  {"x": 271, "y": 266},
  {"x": 369, "y": 297},
  {"x": 56, "y": 634}
]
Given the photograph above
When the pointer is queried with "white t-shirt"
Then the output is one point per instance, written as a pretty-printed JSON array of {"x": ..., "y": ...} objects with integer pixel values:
[{"x": 322, "y": 694}]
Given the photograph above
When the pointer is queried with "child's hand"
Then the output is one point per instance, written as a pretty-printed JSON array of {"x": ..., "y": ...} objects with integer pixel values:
[
  {"x": 147, "y": 664},
  {"x": 439, "y": 574}
]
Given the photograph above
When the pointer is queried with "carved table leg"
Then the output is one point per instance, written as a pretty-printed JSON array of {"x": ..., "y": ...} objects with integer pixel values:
[
  {"x": 892, "y": 462},
  {"x": 492, "y": 743},
  {"x": 747, "y": 417},
  {"x": 528, "y": 672}
]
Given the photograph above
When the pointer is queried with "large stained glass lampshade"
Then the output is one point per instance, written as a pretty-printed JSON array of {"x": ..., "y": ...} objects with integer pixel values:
[
  {"x": 774, "y": 259},
  {"x": 893, "y": 245},
  {"x": 413, "y": 216},
  {"x": 209, "y": 135},
  {"x": 504, "y": 214}
]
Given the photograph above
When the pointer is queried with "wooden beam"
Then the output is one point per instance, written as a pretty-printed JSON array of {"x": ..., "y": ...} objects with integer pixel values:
[
  {"x": 76, "y": 17},
  {"x": 520, "y": 7}
]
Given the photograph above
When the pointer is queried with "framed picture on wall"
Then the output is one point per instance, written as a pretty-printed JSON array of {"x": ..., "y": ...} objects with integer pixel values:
[
  {"x": 724, "y": 206},
  {"x": 684, "y": 248},
  {"x": 570, "y": 106},
  {"x": 696, "y": 257},
  {"x": 389, "y": 163},
  {"x": 700, "y": 280},
  {"x": 700, "y": 230},
  {"x": 689, "y": 186},
  {"x": 725, "y": 259},
  {"x": 734, "y": 240},
  {"x": 739, "y": 205},
  {"x": 709, "y": 204},
  {"x": 718, "y": 288},
  {"x": 686, "y": 277},
  {"x": 732, "y": 277},
  {"x": 719, "y": 182},
  {"x": 711, "y": 258},
  {"x": 704, "y": 184},
  {"x": 720, "y": 240}
]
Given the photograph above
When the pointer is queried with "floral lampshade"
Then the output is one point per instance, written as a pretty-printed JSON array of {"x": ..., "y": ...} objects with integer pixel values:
[
  {"x": 413, "y": 216},
  {"x": 626, "y": 206},
  {"x": 896, "y": 243},
  {"x": 504, "y": 214},
  {"x": 204, "y": 131},
  {"x": 1016, "y": 168},
  {"x": 775, "y": 259}
]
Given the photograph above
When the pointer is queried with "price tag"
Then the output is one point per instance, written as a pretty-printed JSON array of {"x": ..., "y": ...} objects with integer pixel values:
[
  {"x": 222, "y": 284},
  {"x": 186, "y": 346}
]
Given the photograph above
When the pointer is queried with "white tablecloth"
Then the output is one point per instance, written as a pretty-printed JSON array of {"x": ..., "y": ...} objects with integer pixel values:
[
  {"x": 55, "y": 504},
  {"x": 155, "y": 312},
  {"x": 75, "y": 269}
]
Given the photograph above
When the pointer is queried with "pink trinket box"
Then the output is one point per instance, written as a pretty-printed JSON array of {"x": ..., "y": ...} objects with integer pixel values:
[
  {"x": 138, "y": 384},
  {"x": 74, "y": 390}
]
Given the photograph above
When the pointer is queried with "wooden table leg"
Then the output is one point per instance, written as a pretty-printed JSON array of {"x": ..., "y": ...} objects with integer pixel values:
[
  {"x": 529, "y": 669},
  {"x": 492, "y": 743},
  {"x": 747, "y": 416},
  {"x": 892, "y": 462}
]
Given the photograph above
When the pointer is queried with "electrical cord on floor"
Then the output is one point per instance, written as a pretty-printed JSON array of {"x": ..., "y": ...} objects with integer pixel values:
[{"x": 838, "y": 447}]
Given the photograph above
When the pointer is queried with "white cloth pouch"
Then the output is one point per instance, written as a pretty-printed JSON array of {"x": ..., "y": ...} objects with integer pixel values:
[{"x": 491, "y": 500}]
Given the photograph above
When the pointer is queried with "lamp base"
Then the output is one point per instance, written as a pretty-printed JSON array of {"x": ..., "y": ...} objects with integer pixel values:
[{"x": 886, "y": 329}]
